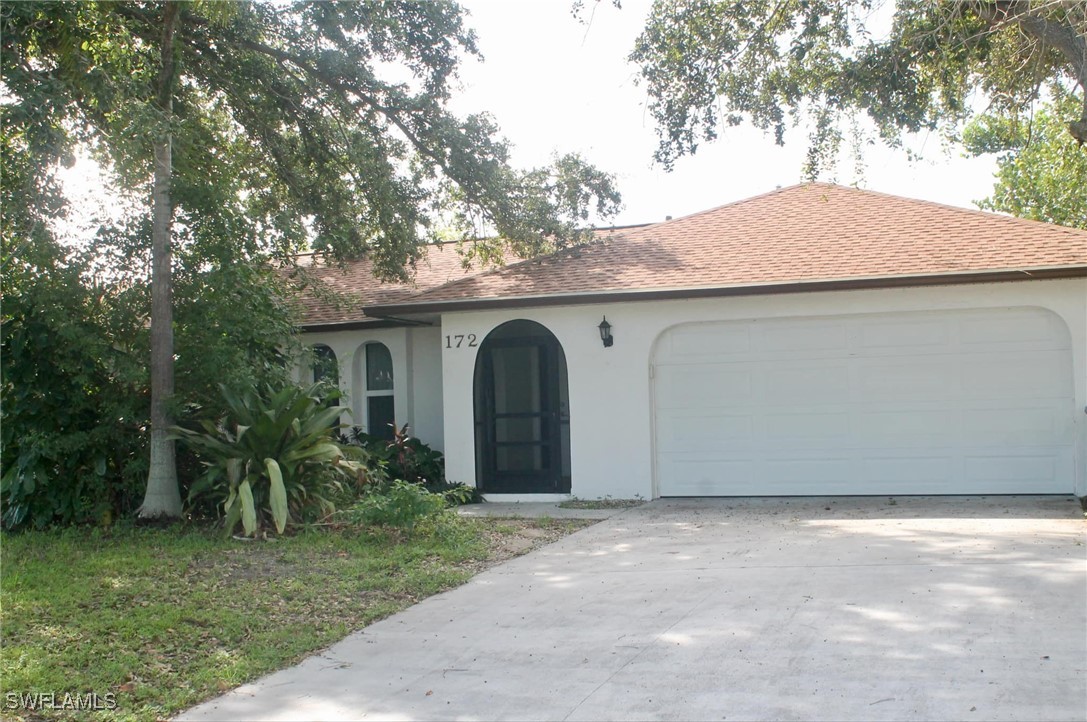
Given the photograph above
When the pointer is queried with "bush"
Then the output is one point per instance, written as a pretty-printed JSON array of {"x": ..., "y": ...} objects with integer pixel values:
[
  {"x": 408, "y": 459},
  {"x": 403, "y": 457},
  {"x": 74, "y": 395},
  {"x": 401, "y": 506},
  {"x": 272, "y": 456}
]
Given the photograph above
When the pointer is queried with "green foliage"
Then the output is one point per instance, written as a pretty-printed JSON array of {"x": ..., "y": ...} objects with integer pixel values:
[
  {"x": 272, "y": 456},
  {"x": 73, "y": 349},
  {"x": 1042, "y": 171},
  {"x": 73, "y": 388},
  {"x": 294, "y": 125},
  {"x": 458, "y": 493},
  {"x": 402, "y": 457},
  {"x": 409, "y": 459},
  {"x": 401, "y": 506},
  {"x": 709, "y": 63},
  {"x": 234, "y": 327}
]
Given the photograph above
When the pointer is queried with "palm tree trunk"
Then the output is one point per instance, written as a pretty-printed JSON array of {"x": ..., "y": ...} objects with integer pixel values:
[{"x": 163, "y": 496}]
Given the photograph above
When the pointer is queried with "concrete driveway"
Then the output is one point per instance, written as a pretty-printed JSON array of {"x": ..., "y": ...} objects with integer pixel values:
[{"x": 730, "y": 609}]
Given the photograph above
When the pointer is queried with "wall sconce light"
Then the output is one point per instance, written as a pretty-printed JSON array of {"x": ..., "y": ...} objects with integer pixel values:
[{"x": 605, "y": 333}]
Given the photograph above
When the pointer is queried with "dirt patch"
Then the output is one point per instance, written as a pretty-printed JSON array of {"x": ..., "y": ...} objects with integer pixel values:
[{"x": 509, "y": 538}]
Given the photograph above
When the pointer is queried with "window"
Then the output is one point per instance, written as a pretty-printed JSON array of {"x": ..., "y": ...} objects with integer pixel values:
[
  {"x": 325, "y": 367},
  {"x": 380, "y": 412}
]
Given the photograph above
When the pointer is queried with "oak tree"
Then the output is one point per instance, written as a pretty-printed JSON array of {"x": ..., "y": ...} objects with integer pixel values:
[
  {"x": 1041, "y": 173},
  {"x": 908, "y": 66}
]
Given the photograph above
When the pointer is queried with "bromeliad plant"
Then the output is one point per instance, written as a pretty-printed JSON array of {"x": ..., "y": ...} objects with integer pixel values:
[{"x": 272, "y": 456}]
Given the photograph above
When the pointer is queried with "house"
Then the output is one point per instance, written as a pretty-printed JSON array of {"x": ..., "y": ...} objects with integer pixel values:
[{"x": 814, "y": 340}]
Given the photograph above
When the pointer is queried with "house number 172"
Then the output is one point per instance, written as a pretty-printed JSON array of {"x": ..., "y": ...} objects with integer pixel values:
[{"x": 460, "y": 340}]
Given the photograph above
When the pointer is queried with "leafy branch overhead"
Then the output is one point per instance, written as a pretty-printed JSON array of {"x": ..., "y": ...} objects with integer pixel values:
[
  {"x": 909, "y": 65},
  {"x": 310, "y": 122},
  {"x": 1040, "y": 171}
]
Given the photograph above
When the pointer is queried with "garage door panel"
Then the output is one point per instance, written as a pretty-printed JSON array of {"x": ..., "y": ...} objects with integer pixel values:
[
  {"x": 939, "y": 412},
  {"x": 692, "y": 343},
  {"x": 1017, "y": 425},
  {"x": 1017, "y": 327},
  {"x": 1037, "y": 374},
  {"x": 910, "y": 379},
  {"x": 802, "y": 336},
  {"x": 915, "y": 335},
  {"x": 694, "y": 387},
  {"x": 684, "y": 431},
  {"x": 812, "y": 470},
  {"x": 705, "y": 477},
  {"x": 901, "y": 427},
  {"x": 815, "y": 424},
  {"x": 894, "y": 472},
  {"x": 817, "y": 382},
  {"x": 1012, "y": 468}
]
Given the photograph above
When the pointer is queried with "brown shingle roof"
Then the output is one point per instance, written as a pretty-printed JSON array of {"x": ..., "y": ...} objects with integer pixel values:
[
  {"x": 439, "y": 264},
  {"x": 798, "y": 235}
]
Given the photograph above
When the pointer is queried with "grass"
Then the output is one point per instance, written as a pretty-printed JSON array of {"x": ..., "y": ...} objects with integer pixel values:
[{"x": 155, "y": 621}]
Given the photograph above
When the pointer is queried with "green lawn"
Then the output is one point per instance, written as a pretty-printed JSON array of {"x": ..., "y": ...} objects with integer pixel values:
[{"x": 162, "y": 619}]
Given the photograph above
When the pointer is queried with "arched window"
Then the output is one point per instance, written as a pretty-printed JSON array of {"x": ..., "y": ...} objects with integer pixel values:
[
  {"x": 325, "y": 367},
  {"x": 380, "y": 412}
]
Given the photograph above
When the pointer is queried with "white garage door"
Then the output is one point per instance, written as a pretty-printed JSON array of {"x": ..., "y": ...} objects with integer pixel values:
[{"x": 959, "y": 402}]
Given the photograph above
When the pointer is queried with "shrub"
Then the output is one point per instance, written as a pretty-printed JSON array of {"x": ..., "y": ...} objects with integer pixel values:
[
  {"x": 73, "y": 383},
  {"x": 409, "y": 459},
  {"x": 402, "y": 505},
  {"x": 274, "y": 454},
  {"x": 457, "y": 493},
  {"x": 403, "y": 457}
]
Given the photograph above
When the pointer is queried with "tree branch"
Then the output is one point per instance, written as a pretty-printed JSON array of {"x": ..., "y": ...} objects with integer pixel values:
[{"x": 1063, "y": 36}]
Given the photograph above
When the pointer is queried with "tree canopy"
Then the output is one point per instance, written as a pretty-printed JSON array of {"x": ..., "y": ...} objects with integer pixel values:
[
  {"x": 1041, "y": 174},
  {"x": 709, "y": 63},
  {"x": 319, "y": 124}
]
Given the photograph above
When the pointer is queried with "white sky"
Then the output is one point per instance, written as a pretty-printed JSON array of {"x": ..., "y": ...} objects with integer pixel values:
[{"x": 553, "y": 84}]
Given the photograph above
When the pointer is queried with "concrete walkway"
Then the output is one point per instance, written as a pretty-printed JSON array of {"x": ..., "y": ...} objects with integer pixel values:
[{"x": 791, "y": 609}]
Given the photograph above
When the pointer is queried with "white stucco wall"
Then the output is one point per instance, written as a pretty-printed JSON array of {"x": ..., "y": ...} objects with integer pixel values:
[
  {"x": 426, "y": 374},
  {"x": 417, "y": 376},
  {"x": 610, "y": 391}
]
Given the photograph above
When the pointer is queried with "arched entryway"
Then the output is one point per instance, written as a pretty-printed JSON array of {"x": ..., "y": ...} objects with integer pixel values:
[{"x": 522, "y": 416}]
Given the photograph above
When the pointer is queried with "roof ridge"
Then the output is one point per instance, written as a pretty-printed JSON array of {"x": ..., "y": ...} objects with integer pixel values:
[
  {"x": 883, "y": 194},
  {"x": 363, "y": 256},
  {"x": 524, "y": 261},
  {"x": 741, "y": 201},
  {"x": 647, "y": 231},
  {"x": 991, "y": 215},
  {"x": 441, "y": 244}
]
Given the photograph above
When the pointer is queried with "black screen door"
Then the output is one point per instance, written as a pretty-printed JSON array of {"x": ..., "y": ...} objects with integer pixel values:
[{"x": 519, "y": 432}]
